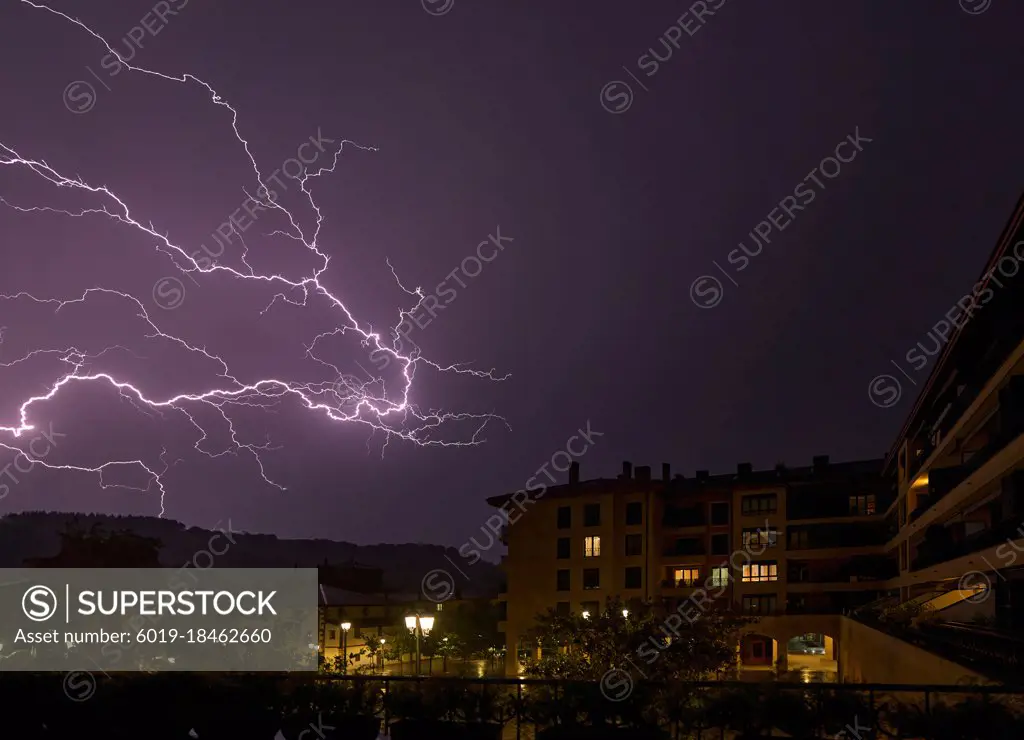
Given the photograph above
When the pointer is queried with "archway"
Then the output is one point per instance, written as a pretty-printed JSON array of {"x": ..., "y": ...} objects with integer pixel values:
[
  {"x": 757, "y": 652},
  {"x": 813, "y": 655}
]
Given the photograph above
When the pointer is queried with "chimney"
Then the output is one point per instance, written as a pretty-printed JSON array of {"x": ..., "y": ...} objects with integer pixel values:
[
  {"x": 627, "y": 469},
  {"x": 702, "y": 475},
  {"x": 820, "y": 463},
  {"x": 574, "y": 473},
  {"x": 744, "y": 469},
  {"x": 666, "y": 472},
  {"x": 643, "y": 473}
]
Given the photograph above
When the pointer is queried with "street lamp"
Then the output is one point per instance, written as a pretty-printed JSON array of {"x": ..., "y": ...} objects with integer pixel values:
[
  {"x": 382, "y": 641},
  {"x": 345, "y": 627},
  {"x": 625, "y": 613},
  {"x": 419, "y": 625},
  {"x": 586, "y": 615}
]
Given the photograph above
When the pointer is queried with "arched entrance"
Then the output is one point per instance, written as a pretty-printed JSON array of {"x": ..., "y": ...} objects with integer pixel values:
[
  {"x": 812, "y": 654},
  {"x": 757, "y": 652}
]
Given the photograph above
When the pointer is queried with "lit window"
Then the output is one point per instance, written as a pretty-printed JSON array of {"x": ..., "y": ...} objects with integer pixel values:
[
  {"x": 686, "y": 576},
  {"x": 719, "y": 576},
  {"x": 862, "y": 505},
  {"x": 760, "y": 572},
  {"x": 591, "y": 547},
  {"x": 440, "y": 607}
]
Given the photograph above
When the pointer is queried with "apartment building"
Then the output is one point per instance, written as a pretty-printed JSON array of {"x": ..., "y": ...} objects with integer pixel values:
[
  {"x": 769, "y": 542},
  {"x": 956, "y": 527}
]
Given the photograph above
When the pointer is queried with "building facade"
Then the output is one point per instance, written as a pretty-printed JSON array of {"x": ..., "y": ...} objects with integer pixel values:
[
  {"x": 957, "y": 524},
  {"x": 765, "y": 543},
  {"x": 371, "y": 618}
]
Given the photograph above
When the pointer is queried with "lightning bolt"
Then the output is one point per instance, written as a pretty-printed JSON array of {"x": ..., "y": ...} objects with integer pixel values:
[{"x": 349, "y": 401}]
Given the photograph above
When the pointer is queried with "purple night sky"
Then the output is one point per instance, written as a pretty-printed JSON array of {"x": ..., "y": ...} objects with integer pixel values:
[{"x": 465, "y": 118}]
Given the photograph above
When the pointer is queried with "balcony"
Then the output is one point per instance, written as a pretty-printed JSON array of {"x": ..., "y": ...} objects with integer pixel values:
[
  {"x": 940, "y": 547},
  {"x": 1006, "y": 425},
  {"x": 678, "y": 518},
  {"x": 685, "y": 548},
  {"x": 680, "y": 584},
  {"x": 824, "y": 503}
]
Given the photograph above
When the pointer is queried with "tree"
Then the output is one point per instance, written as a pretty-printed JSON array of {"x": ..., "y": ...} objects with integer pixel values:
[
  {"x": 98, "y": 548},
  {"x": 476, "y": 623},
  {"x": 375, "y": 650},
  {"x": 404, "y": 643},
  {"x": 632, "y": 669},
  {"x": 449, "y": 646},
  {"x": 661, "y": 643}
]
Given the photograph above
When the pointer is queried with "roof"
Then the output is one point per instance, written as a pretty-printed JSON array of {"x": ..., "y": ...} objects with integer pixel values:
[{"x": 680, "y": 484}]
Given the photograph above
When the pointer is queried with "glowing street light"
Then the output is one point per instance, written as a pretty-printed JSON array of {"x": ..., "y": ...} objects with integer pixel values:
[
  {"x": 419, "y": 625},
  {"x": 625, "y": 613},
  {"x": 345, "y": 627},
  {"x": 586, "y": 615}
]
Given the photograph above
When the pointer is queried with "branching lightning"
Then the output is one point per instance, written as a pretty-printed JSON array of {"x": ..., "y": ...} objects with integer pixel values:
[{"x": 363, "y": 402}]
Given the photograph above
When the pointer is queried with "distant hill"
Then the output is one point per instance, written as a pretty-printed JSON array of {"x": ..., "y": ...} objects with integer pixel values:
[{"x": 36, "y": 534}]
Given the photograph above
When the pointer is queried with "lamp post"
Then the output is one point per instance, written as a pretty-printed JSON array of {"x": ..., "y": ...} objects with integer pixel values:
[
  {"x": 345, "y": 627},
  {"x": 382, "y": 641},
  {"x": 419, "y": 625}
]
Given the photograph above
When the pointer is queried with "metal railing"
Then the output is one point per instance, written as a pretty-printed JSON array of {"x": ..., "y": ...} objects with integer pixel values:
[
  {"x": 993, "y": 653},
  {"x": 539, "y": 708},
  {"x": 359, "y": 707}
]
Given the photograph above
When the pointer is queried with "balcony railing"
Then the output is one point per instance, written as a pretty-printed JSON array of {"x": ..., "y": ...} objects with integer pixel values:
[
  {"x": 933, "y": 553},
  {"x": 995, "y": 654},
  {"x": 681, "y": 583},
  {"x": 1007, "y": 426}
]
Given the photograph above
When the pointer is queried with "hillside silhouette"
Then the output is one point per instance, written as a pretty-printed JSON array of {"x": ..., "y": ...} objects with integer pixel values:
[{"x": 36, "y": 535}]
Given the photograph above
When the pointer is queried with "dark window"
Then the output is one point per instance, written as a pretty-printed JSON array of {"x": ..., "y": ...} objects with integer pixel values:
[
  {"x": 763, "y": 504},
  {"x": 502, "y": 611},
  {"x": 562, "y": 608},
  {"x": 719, "y": 544},
  {"x": 761, "y": 537},
  {"x": 759, "y": 604},
  {"x": 563, "y": 580},
  {"x": 634, "y": 544},
  {"x": 798, "y": 539},
  {"x": 592, "y": 515},
  {"x": 798, "y": 573},
  {"x": 564, "y": 517},
  {"x": 634, "y": 514},
  {"x": 719, "y": 514},
  {"x": 564, "y": 544},
  {"x": 634, "y": 577},
  {"x": 591, "y": 578}
]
